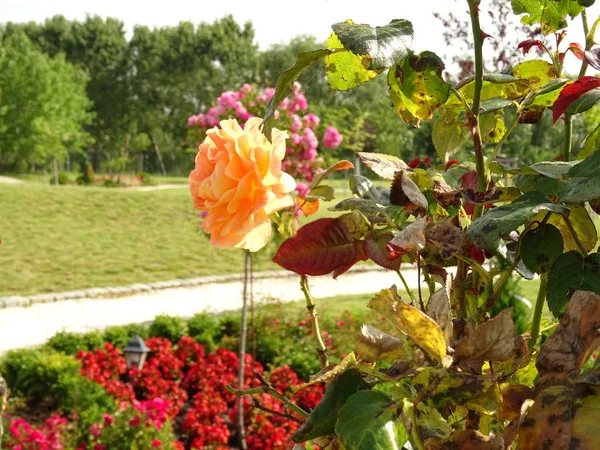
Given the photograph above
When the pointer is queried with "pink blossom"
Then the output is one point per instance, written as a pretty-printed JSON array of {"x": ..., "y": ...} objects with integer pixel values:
[
  {"x": 298, "y": 103},
  {"x": 96, "y": 429},
  {"x": 269, "y": 92},
  {"x": 332, "y": 138},
  {"x": 284, "y": 104},
  {"x": 192, "y": 121},
  {"x": 296, "y": 88},
  {"x": 228, "y": 99},
  {"x": 302, "y": 189},
  {"x": 309, "y": 154},
  {"x": 135, "y": 421},
  {"x": 309, "y": 139},
  {"x": 246, "y": 88},
  {"x": 296, "y": 123},
  {"x": 296, "y": 139},
  {"x": 99, "y": 447},
  {"x": 108, "y": 419},
  {"x": 156, "y": 443},
  {"x": 311, "y": 120}
]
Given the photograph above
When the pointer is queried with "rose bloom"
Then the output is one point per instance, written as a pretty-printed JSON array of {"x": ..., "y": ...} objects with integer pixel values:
[{"x": 238, "y": 181}]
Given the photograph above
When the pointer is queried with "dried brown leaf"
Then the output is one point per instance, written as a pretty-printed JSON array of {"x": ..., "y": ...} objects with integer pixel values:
[
  {"x": 412, "y": 237},
  {"x": 438, "y": 308},
  {"x": 513, "y": 397},
  {"x": 563, "y": 354},
  {"x": 375, "y": 345},
  {"x": 382, "y": 164},
  {"x": 492, "y": 341},
  {"x": 467, "y": 440},
  {"x": 405, "y": 192},
  {"x": 448, "y": 237},
  {"x": 445, "y": 195}
]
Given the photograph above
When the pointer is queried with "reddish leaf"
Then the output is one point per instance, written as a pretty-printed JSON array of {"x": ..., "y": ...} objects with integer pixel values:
[
  {"x": 376, "y": 250},
  {"x": 572, "y": 92},
  {"x": 319, "y": 248},
  {"x": 525, "y": 46},
  {"x": 414, "y": 163},
  {"x": 577, "y": 51},
  {"x": 308, "y": 207}
]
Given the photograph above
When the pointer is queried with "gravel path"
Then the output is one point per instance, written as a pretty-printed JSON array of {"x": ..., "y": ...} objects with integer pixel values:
[
  {"x": 34, "y": 325},
  {"x": 9, "y": 180}
]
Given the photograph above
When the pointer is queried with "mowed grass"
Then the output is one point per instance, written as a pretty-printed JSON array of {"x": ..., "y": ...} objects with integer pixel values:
[{"x": 60, "y": 238}]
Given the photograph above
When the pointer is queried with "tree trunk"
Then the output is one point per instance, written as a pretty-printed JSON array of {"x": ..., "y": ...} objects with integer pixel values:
[{"x": 158, "y": 155}]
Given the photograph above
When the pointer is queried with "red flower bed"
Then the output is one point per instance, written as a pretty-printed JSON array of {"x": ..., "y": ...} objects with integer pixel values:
[{"x": 192, "y": 386}]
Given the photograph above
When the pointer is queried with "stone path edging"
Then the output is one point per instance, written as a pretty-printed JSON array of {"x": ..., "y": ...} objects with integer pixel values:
[{"x": 17, "y": 301}]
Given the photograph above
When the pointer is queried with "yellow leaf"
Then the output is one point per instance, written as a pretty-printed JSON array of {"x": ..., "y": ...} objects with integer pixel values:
[
  {"x": 348, "y": 362},
  {"x": 375, "y": 345},
  {"x": 418, "y": 326},
  {"x": 344, "y": 69}
]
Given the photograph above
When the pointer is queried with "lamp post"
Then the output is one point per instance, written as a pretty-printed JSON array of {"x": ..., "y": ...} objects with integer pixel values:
[{"x": 135, "y": 352}]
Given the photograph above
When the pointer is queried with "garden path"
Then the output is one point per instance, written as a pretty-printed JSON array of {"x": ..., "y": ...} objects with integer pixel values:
[
  {"x": 30, "y": 326},
  {"x": 4, "y": 179}
]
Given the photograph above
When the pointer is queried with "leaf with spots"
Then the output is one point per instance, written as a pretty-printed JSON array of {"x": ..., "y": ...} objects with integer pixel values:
[
  {"x": 382, "y": 164},
  {"x": 448, "y": 133},
  {"x": 367, "y": 207},
  {"x": 321, "y": 420},
  {"x": 468, "y": 440},
  {"x": 487, "y": 232},
  {"x": 405, "y": 192},
  {"x": 441, "y": 388},
  {"x": 448, "y": 237},
  {"x": 346, "y": 70},
  {"x": 418, "y": 326},
  {"x": 438, "y": 308},
  {"x": 493, "y": 340},
  {"x": 537, "y": 72},
  {"x": 540, "y": 247},
  {"x": 416, "y": 85},
  {"x": 572, "y": 272},
  {"x": 330, "y": 374},
  {"x": 590, "y": 144},
  {"x": 369, "y": 420},
  {"x": 581, "y": 222},
  {"x": 589, "y": 167},
  {"x": 563, "y": 354},
  {"x": 546, "y": 96},
  {"x": 492, "y": 126},
  {"x": 412, "y": 237},
  {"x": 373, "y": 345},
  {"x": 431, "y": 423},
  {"x": 384, "y": 45},
  {"x": 550, "y": 14}
]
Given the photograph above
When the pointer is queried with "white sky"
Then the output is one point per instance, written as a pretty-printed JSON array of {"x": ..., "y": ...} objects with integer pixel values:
[{"x": 274, "y": 21}]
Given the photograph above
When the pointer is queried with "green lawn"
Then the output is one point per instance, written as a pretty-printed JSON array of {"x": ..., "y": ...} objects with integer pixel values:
[{"x": 58, "y": 238}]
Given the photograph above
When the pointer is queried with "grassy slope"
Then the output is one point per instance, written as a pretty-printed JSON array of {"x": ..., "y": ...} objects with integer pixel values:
[{"x": 68, "y": 237}]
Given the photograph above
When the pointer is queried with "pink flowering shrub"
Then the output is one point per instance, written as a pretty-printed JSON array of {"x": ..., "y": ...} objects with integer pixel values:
[
  {"x": 303, "y": 127},
  {"x": 23, "y": 436}
]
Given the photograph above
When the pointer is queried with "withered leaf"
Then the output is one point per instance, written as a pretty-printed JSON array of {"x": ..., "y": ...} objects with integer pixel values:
[
  {"x": 445, "y": 195},
  {"x": 438, "y": 308},
  {"x": 347, "y": 363},
  {"x": 513, "y": 397},
  {"x": 563, "y": 354},
  {"x": 375, "y": 345},
  {"x": 418, "y": 326},
  {"x": 492, "y": 341},
  {"x": 448, "y": 237},
  {"x": 412, "y": 237},
  {"x": 431, "y": 423},
  {"x": 382, "y": 164},
  {"x": 468, "y": 440},
  {"x": 405, "y": 192}
]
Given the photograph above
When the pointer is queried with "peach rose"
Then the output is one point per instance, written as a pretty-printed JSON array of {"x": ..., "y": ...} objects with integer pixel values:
[{"x": 238, "y": 181}]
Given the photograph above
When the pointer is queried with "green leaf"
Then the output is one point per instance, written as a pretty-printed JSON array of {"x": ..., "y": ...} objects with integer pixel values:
[
  {"x": 285, "y": 83},
  {"x": 321, "y": 420},
  {"x": 421, "y": 328},
  {"x": 384, "y": 46},
  {"x": 368, "y": 421},
  {"x": 416, "y": 84},
  {"x": 487, "y": 231},
  {"x": 551, "y": 169},
  {"x": 589, "y": 167},
  {"x": 494, "y": 104},
  {"x": 538, "y": 72},
  {"x": 540, "y": 247},
  {"x": 431, "y": 423},
  {"x": 382, "y": 164},
  {"x": 448, "y": 133},
  {"x": 572, "y": 272},
  {"x": 367, "y": 207},
  {"x": 327, "y": 193},
  {"x": 346, "y": 70},
  {"x": 538, "y": 183},
  {"x": 581, "y": 222},
  {"x": 508, "y": 87},
  {"x": 583, "y": 103},
  {"x": 550, "y": 14},
  {"x": 592, "y": 143},
  {"x": 579, "y": 190},
  {"x": 548, "y": 94},
  {"x": 492, "y": 126}
]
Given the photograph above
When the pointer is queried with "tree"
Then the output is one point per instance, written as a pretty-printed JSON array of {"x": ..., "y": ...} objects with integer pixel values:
[{"x": 44, "y": 106}]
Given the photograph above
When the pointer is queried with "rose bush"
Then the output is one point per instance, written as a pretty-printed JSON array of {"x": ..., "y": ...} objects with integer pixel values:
[{"x": 238, "y": 182}]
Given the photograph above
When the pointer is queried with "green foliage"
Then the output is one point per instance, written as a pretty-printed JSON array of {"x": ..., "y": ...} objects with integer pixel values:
[
  {"x": 51, "y": 381},
  {"x": 44, "y": 105},
  {"x": 168, "y": 327},
  {"x": 205, "y": 329},
  {"x": 88, "y": 176},
  {"x": 70, "y": 343},
  {"x": 119, "y": 336},
  {"x": 63, "y": 179}
]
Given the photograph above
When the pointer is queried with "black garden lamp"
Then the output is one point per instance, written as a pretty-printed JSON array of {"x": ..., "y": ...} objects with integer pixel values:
[{"x": 135, "y": 352}]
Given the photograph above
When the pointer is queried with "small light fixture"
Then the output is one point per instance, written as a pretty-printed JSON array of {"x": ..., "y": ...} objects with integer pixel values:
[{"x": 135, "y": 352}]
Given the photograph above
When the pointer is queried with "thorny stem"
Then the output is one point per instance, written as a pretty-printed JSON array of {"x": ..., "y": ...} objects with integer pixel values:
[
  {"x": 589, "y": 41},
  {"x": 252, "y": 315},
  {"x": 408, "y": 290},
  {"x": 242, "y": 350},
  {"x": 257, "y": 405},
  {"x": 459, "y": 288},
  {"x": 539, "y": 307},
  {"x": 314, "y": 318}
]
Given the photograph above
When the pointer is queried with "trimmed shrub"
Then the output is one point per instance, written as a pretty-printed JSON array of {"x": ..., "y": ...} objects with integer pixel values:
[
  {"x": 168, "y": 327},
  {"x": 119, "y": 336},
  {"x": 70, "y": 343}
]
